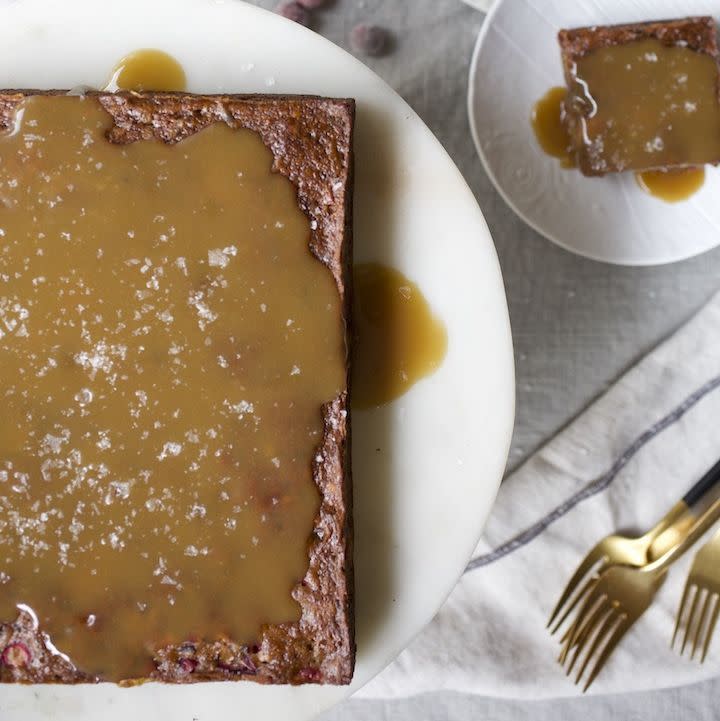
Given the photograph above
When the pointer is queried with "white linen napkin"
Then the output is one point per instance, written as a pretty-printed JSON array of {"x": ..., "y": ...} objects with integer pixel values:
[
  {"x": 483, "y": 5},
  {"x": 620, "y": 465}
]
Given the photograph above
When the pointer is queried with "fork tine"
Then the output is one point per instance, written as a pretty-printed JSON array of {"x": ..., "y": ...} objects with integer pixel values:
[
  {"x": 589, "y": 633},
  {"x": 575, "y": 601},
  {"x": 690, "y": 619},
  {"x": 577, "y": 623},
  {"x": 602, "y": 635},
  {"x": 583, "y": 569},
  {"x": 711, "y": 627},
  {"x": 700, "y": 627},
  {"x": 681, "y": 612},
  {"x": 614, "y": 638},
  {"x": 587, "y": 619}
]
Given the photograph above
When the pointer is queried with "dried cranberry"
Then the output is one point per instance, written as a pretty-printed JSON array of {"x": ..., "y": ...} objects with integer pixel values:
[
  {"x": 310, "y": 674},
  {"x": 187, "y": 665},
  {"x": 16, "y": 655},
  {"x": 294, "y": 11},
  {"x": 369, "y": 39}
]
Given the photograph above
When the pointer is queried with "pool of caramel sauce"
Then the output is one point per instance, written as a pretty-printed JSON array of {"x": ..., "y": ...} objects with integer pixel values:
[
  {"x": 147, "y": 69},
  {"x": 672, "y": 186},
  {"x": 398, "y": 338},
  {"x": 548, "y": 126}
]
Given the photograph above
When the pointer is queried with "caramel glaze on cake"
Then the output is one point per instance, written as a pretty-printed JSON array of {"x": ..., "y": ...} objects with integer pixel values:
[{"x": 311, "y": 143}]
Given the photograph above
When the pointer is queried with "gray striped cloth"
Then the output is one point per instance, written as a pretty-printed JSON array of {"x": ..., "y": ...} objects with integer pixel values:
[{"x": 619, "y": 465}]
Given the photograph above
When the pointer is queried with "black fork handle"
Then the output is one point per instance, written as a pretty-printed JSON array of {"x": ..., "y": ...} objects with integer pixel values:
[{"x": 703, "y": 486}]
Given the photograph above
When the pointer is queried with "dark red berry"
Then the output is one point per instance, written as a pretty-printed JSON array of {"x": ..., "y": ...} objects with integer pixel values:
[
  {"x": 16, "y": 655},
  {"x": 187, "y": 665},
  {"x": 294, "y": 11},
  {"x": 369, "y": 39},
  {"x": 312, "y": 4}
]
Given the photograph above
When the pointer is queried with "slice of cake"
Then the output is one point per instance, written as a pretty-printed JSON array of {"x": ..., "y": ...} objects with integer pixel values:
[
  {"x": 643, "y": 96},
  {"x": 175, "y": 485}
]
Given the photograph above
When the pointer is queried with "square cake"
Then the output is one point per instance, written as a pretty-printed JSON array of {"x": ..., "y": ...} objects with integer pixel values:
[
  {"x": 643, "y": 96},
  {"x": 174, "y": 451}
]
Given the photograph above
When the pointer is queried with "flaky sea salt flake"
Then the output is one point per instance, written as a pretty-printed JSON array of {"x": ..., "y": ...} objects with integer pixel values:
[{"x": 170, "y": 448}]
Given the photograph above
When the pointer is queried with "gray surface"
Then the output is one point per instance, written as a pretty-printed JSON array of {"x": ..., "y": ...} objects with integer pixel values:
[{"x": 577, "y": 324}]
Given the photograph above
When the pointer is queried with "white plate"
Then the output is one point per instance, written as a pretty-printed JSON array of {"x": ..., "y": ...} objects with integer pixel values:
[
  {"x": 516, "y": 61},
  {"x": 427, "y": 467}
]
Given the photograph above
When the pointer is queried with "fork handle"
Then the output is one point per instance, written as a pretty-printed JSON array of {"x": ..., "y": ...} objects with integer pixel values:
[
  {"x": 703, "y": 486},
  {"x": 697, "y": 530},
  {"x": 673, "y": 527},
  {"x": 681, "y": 511}
]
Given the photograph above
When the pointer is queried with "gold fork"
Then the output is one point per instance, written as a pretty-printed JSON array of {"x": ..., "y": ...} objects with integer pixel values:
[
  {"x": 617, "y": 599},
  {"x": 636, "y": 552},
  {"x": 700, "y": 604}
]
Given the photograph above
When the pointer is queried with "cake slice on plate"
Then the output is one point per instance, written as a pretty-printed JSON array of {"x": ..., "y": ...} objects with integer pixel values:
[{"x": 643, "y": 96}]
